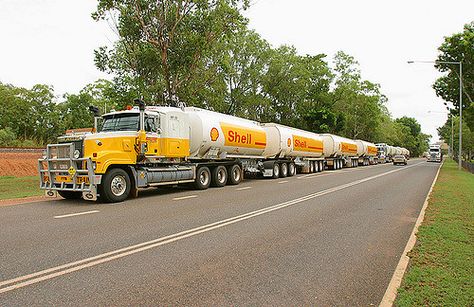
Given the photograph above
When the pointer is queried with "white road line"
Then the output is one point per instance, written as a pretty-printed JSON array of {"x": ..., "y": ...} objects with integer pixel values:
[
  {"x": 23, "y": 281},
  {"x": 316, "y": 175},
  {"x": 185, "y": 197},
  {"x": 284, "y": 181},
  {"x": 75, "y": 214},
  {"x": 243, "y": 188}
]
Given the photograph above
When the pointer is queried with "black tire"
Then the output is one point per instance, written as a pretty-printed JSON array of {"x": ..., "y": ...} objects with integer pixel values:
[
  {"x": 203, "y": 178},
  {"x": 115, "y": 186},
  {"x": 311, "y": 167},
  {"x": 276, "y": 171},
  {"x": 235, "y": 175},
  {"x": 283, "y": 170},
  {"x": 219, "y": 176},
  {"x": 291, "y": 169},
  {"x": 70, "y": 194}
]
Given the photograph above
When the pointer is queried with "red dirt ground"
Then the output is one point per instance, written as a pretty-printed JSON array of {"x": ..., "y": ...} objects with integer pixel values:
[{"x": 19, "y": 164}]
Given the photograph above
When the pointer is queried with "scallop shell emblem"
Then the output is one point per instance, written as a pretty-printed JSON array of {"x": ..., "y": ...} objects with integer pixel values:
[{"x": 214, "y": 134}]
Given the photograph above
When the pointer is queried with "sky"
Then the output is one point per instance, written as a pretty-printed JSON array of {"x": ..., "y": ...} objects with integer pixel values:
[{"x": 53, "y": 41}]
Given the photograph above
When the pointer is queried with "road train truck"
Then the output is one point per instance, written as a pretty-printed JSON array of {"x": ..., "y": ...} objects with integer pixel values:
[
  {"x": 435, "y": 154},
  {"x": 154, "y": 146}
]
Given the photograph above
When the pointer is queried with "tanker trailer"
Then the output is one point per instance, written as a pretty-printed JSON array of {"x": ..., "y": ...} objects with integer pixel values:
[
  {"x": 390, "y": 153},
  {"x": 367, "y": 153},
  {"x": 338, "y": 151},
  {"x": 302, "y": 148}
]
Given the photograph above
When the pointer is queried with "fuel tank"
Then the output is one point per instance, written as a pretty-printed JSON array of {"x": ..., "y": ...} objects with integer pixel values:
[
  {"x": 217, "y": 134},
  {"x": 337, "y": 146},
  {"x": 366, "y": 149},
  {"x": 288, "y": 142}
]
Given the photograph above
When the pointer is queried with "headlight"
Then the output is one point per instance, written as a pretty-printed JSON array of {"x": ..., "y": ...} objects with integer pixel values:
[{"x": 77, "y": 154}]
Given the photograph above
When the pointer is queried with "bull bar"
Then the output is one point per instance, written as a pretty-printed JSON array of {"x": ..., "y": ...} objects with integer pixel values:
[{"x": 59, "y": 161}]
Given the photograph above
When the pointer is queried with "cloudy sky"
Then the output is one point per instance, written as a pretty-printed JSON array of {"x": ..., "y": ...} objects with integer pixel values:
[{"x": 52, "y": 42}]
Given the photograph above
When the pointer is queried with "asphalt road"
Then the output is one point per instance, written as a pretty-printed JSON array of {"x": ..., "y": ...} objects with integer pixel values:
[{"x": 332, "y": 238}]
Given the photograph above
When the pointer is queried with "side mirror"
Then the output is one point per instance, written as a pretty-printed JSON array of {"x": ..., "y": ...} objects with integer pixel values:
[{"x": 95, "y": 110}]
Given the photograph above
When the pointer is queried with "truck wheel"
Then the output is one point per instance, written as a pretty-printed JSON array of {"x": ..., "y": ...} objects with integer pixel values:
[
  {"x": 70, "y": 194},
  {"x": 203, "y": 178},
  {"x": 219, "y": 176},
  {"x": 235, "y": 175},
  {"x": 116, "y": 185},
  {"x": 311, "y": 167},
  {"x": 321, "y": 166},
  {"x": 291, "y": 169},
  {"x": 276, "y": 171},
  {"x": 283, "y": 170}
]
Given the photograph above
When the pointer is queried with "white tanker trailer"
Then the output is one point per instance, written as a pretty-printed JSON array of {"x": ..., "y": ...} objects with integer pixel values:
[
  {"x": 367, "y": 152},
  {"x": 303, "y": 148},
  {"x": 339, "y": 152}
]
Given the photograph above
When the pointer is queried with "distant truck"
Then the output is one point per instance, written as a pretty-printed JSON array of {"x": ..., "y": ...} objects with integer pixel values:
[{"x": 435, "y": 154}]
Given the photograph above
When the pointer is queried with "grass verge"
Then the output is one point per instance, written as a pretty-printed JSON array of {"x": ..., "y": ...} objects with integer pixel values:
[
  {"x": 441, "y": 267},
  {"x": 17, "y": 187}
]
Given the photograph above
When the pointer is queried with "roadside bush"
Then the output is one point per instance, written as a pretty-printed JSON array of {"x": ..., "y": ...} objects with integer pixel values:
[{"x": 8, "y": 137}]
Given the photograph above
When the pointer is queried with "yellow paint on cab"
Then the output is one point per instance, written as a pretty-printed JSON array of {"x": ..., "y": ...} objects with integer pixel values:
[
  {"x": 121, "y": 150},
  {"x": 112, "y": 150},
  {"x": 168, "y": 147}
]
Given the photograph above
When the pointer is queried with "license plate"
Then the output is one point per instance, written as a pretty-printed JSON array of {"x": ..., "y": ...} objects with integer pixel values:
[{"x": 82, "y": 180}]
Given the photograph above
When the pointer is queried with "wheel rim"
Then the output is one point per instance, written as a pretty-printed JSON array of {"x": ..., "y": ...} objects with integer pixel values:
[
  {"x": 118, "y": 185},
  {"x": 236, "y": 174},
  {"x": 284, "y": 169},
  {"x": 221, "y": 177},
  {"x": 276, "y": 170},
  {"x": 291, "y": 169},
  {"x": 204, "y": 178}
]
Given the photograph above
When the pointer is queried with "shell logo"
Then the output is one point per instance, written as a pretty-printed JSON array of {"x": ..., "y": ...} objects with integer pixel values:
[
  {"x": 214, "y": 134},
  {"x": 288, "y": 142}
]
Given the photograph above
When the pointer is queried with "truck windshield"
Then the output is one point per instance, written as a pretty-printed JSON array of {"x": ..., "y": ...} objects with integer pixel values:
[
  {"x": 121, "y": 122},
  {"x": 434, "y": 150}
]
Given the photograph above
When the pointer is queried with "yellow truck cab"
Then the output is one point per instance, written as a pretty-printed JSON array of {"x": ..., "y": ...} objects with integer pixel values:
[{"x": 114, "y": 161}]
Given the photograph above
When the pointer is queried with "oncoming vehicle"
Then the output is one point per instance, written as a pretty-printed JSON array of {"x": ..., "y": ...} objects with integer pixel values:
[
  {"x": 435, "y": 154},
  {"x": 399, "y": 159}
]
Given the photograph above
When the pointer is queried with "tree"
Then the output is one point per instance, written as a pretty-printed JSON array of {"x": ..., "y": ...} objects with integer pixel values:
[
  {"x": 163, "y": 45},
  {"x": 444, "y": 133},
  {"x": 359, "y": 101},
  {"x": 458, "y": 48},
  {"x": 412, "y": 139}
]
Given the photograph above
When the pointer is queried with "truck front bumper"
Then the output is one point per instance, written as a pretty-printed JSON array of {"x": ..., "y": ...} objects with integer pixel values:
[{"x": 60, "y": 171}]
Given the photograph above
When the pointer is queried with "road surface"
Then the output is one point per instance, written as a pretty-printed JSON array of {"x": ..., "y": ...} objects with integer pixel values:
[{"x": 332, "y": 238}]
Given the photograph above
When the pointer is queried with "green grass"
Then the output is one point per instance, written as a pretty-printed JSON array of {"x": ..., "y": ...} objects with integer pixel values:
[
  {"x": 17, "y": 187},
  {"x": 441, "y": 268}
]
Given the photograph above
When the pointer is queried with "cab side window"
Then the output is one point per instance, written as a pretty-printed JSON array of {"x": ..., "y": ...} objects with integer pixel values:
[{"x": 152, "y": 124}]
